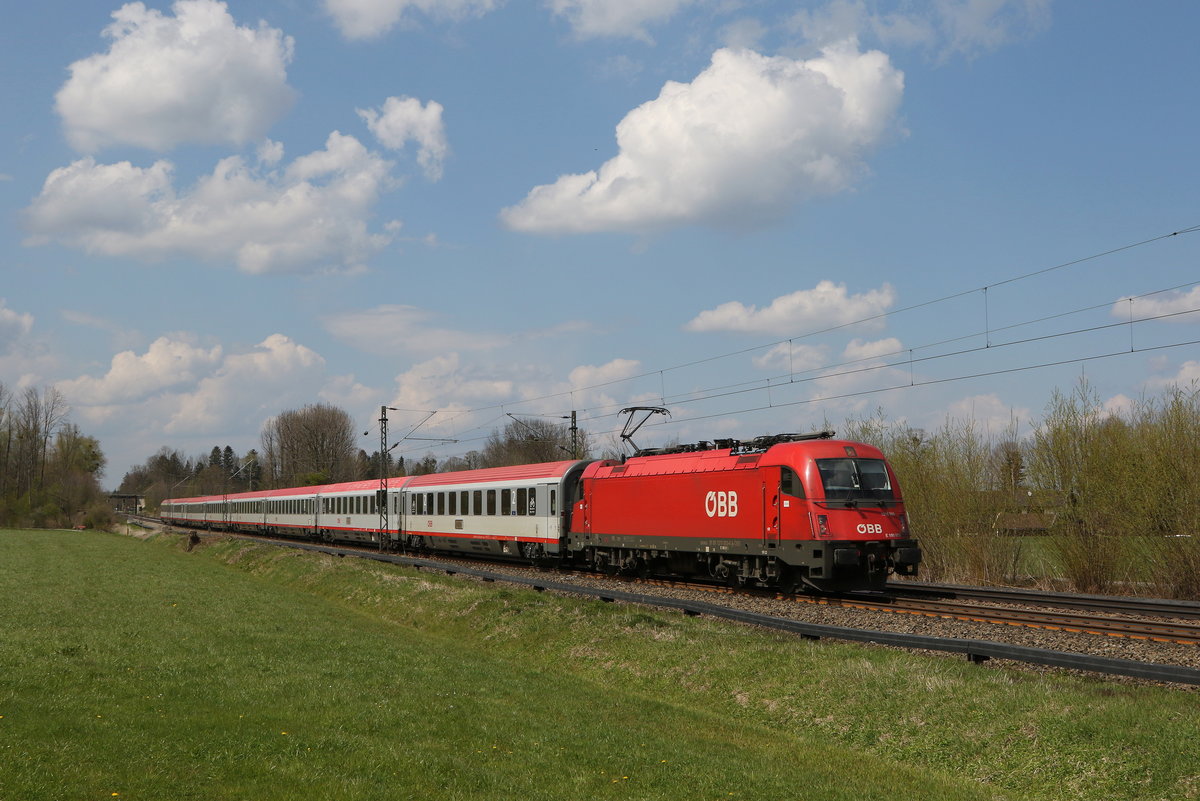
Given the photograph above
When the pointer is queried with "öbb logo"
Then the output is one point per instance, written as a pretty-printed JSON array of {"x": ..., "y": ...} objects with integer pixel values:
[{"x": 721, "y": 504}]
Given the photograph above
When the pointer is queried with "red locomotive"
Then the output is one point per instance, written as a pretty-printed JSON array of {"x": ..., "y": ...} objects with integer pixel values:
[
  {"x": 790, "y": 511},
  {"x": 797, "y": 511}
]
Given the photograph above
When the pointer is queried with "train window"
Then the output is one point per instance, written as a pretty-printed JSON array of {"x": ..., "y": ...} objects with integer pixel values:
[
  {"x": 789, "y": 483},
  {"x": 491, "y": 502},
  {"x": 553, "y": 502},
  {"x": 464, "y": 503},
  {"x": 452, "y": 503},
  {"x": 521, "y": 500},
  {"x": 505, "y": 501},
  {"x": 477, "y": 502},
  {"x": 855, "y": 480},
  {"x": 533, "y": 500},
  {"x": 441, "y": 503},
  {"x": 429, "y": 503}
]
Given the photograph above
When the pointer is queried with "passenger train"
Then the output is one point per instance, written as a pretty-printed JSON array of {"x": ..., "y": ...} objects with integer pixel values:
[{"x": 789, "y": 511}]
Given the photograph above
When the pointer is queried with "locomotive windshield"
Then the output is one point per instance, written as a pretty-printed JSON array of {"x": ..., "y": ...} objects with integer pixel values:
[{"x": 856, "y": 482}]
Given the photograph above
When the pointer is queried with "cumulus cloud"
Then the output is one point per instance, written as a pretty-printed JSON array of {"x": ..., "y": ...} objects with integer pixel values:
[
  {"x": 793, "y": 358},
  {"x": 388, "y": 328},
  {"x": 858, "y": 350},
  {"x": 749, "y": 137},
  {"x": 1187, "y": 376},
  {"x": 403, "y": 120},
  {"x": 14, "y": 326},
  {"x": 310, "y": 215},
  {"x": 589, "y": 375},
  {"x": 594, "y": 18},
  {"x": 166, "y": 363},
  {"x": 254, "y": 384},
  {"x": 1175, "y": 306},
  {"x": 193, "y": 77},
  {"x": 826, "y": 304},
  {"x": 368, "y": 19},
  {"x": 427, "y": 386}
]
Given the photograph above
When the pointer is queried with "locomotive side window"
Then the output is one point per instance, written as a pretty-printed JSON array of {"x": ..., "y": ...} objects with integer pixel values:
[{"x": 789, "y": 483}]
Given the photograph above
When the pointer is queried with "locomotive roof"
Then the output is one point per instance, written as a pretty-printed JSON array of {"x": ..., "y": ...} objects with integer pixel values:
[{"x": 733, "y": 458}]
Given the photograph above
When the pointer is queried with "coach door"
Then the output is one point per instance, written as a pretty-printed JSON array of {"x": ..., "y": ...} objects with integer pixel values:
[{"x": 771, "y": 506}]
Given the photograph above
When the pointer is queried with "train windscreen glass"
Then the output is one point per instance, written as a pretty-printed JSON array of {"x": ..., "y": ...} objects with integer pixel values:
[{"x": 861, "y": 481}]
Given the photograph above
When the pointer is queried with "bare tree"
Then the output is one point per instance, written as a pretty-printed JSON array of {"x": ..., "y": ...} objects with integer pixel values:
[
  {"x": 313, "y": 445},
  {"x": 529, "y": 441}
]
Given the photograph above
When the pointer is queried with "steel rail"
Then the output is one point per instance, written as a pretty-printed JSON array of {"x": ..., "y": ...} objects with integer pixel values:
[
  {"x": 1163, "y": 607},
  {"x": 1177, "y": 633}
]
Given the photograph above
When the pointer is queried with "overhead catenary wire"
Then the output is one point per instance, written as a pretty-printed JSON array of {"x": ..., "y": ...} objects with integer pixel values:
[{"x": 910, "y": 360}]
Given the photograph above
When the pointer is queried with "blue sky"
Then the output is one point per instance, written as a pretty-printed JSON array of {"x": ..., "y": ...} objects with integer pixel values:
[{"x": 214, "y": 212}]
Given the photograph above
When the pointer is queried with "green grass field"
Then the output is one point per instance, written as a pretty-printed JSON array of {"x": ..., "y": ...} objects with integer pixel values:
[{"x": 131, "y": 669}]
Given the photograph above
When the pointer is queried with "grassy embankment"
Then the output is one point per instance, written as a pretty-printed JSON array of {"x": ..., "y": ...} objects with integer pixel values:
[{"x": 243, "y": 671}]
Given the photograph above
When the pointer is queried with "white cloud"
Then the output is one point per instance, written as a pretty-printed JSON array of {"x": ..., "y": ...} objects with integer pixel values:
[
  {"x": 749, "y": 137},
  {"x": 404, "y": 119},
  {"x": 427, "y": 386},
  {"x": 990, "y": 415},
  {"x": 311, "y": 215},
  {"x": 368, "y": 19},
  {"x": 196, "y": 77},
  {"x": 1186, "y": 377},
  {"x": 386, "y": 329},
  {"x": 857, "y": 350},
  {"x": 252, "y": 385},
  {"x": 793, "y": 358},
  {"x": 589, "y": 376},
  {"x": 592, "y": 18},
  {"x": 827, "y": 304},
  {"x": 166, "y": 363},
  {"x": 14, "y": 326},
  {"x": 1172, "y": 306}
]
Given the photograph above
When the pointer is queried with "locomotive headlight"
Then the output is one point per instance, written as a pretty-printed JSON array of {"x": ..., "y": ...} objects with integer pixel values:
[
  {"x": 823, "y": 525},
  {"x": 904, "y": 524}
]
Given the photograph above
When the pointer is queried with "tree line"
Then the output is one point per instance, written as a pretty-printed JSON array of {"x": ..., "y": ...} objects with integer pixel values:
[
  {"x": 49, "y": 470},
  {"x": 1093, "y": 501}
]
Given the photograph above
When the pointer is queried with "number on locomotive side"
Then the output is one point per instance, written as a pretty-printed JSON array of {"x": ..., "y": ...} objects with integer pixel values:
[{"x": 721, "y": 504}]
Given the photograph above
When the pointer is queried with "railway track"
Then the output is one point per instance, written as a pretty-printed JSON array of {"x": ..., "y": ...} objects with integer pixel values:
[
  {"x": 1113, "y": 604},
  {"x": 1101, "y": 622},
  {"x": 1078, "y": 623}
]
